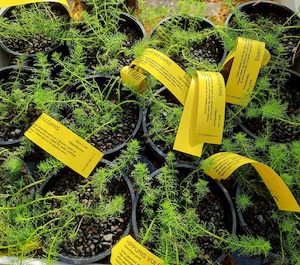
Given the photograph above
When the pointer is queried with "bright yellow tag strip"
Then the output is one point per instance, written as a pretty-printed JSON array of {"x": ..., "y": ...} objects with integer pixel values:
[
  {"x": 166, "y": 71},
  {"x": 68, "y": 3},
  {"x": 248, "y": 58},
  {"x": 128, "y": 251},
  {"x": 64, "y": 145},
  {"x": 222, "y": 165},
  {"x": 203, "y": 115},
  {"x": 134, "y": 78}
]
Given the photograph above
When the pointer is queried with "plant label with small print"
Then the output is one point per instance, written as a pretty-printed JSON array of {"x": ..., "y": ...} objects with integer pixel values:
[
  {"x": 248, "y": 58},
  {"x": 68, "y": 3},
  {"x": 129, "y": 252},
  {"x": 166, "y": 71},
  {"x": 222, "y": 165},
  {"x": 64, "y": 145},
  {"x": 203, "y": 115},
  {"x": 134, "y": 78}
]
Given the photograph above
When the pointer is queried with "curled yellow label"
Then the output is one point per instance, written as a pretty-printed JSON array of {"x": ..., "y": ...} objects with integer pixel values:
[
  {"x": 129, "y": 251},
  {"x": 133, "y": 78},
  {"x": 64, "y": 145},
  {"x": 203, "y": 115},
  {"x": 222, "y": 165},
  {"x": 242, "y": 67},
  {"x": 175, "y": 79}
]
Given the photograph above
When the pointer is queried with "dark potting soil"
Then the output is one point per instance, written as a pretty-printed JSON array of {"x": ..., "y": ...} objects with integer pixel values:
[
  {"x": 107, "y": 140},
  {"x": 259, "y": 222},
  {"x": 289, "y": 43},
  {"x": 37, "y": 43},
  {"x": 94, "y": 236},
  {"x": 269, "y": 20},
  {"x": 127, "y": 120},
  {"x": 209, "y": 51},
  {"x": 13, "y": 131},
  {"x": 132, "y": 37},
  {"x": 210, "y": 210}
]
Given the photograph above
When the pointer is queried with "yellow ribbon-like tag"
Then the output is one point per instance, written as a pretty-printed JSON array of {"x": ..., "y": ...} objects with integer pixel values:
[
  {"x": 163, "y": 69},
  {"x": 242, "y": 67},
  {"x": 64, "y": 145},
  {"x": 129, "y": 251},
  {"x": 133, "y": 77},
  {"x": 68, "y": 3},
  {"x": 203, "y": 115},
  {"x": 222, "y": 165}
]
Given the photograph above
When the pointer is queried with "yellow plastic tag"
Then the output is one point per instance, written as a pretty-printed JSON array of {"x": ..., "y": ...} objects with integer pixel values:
[
  {"x": 68, "y": 3},
  {"x": 134, "y": 78},
  {"x": 203, "y": 115},
  {"x": 129, "y": 252},
  {"x": 166, "y": 71},
  {"x": 223, "y": 164},
  {"x": 64, "y": 145},
  {"x": 244, "y": 64}
]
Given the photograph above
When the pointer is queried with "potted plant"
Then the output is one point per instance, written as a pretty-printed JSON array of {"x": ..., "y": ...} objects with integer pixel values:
[
  {"x": 192, "y": 42},
  {"x": 258, "y": 215},
  {"x": 174, "y": 220},
  {"x": 17, "y": 107},
  {"x": 271, "y": 22},
  {"x": 74, "y": 219},
  {"x": 105, "y": 35},
  {"x": 113, "y": 112},
  {"x": 28, "y": 29},
  {"x": 274, "y": 110}
]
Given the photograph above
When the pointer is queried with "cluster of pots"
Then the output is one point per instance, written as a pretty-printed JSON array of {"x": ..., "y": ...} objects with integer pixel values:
[{"x": 98, "y": 237}]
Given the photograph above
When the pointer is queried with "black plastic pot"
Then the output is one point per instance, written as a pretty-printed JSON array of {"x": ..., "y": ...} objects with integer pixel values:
[
  {"x": 255, "y": 10},
  {"x": 7, "y": 12},
  {"x": 214, "y": 186},
  {"x": 281, "y": 133},
  {"x": 212, "y": 45},
  {"x": 52, "y": 180},
  {"x": 104, "y": 79}
]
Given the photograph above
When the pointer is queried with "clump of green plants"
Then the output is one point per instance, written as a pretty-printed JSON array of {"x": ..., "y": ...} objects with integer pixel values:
[
  {"x": 28, "y": 29},
  {"x": 170, "y": 224},
  {"x": 20, "y": 101},
  {"x": 269, "y": 24},
  {"x": 53, "y": 217},
  {"x": 104, "y": 36},
  {"x": 193, "y": 43}
]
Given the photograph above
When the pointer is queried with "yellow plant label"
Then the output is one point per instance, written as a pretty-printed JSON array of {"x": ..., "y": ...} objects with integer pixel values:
[
  {"x": 134, "y": 78},
  {"x": 129, "y": 252},
  {"x": 166, "y": 71},
  {"x": 245, "y": 64},
  {"x": 203, "y": 115},
  {"x": 68, "y": 3},
  {"x": 222, "y": 165},
  {"x": 64, "y": 145}
]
